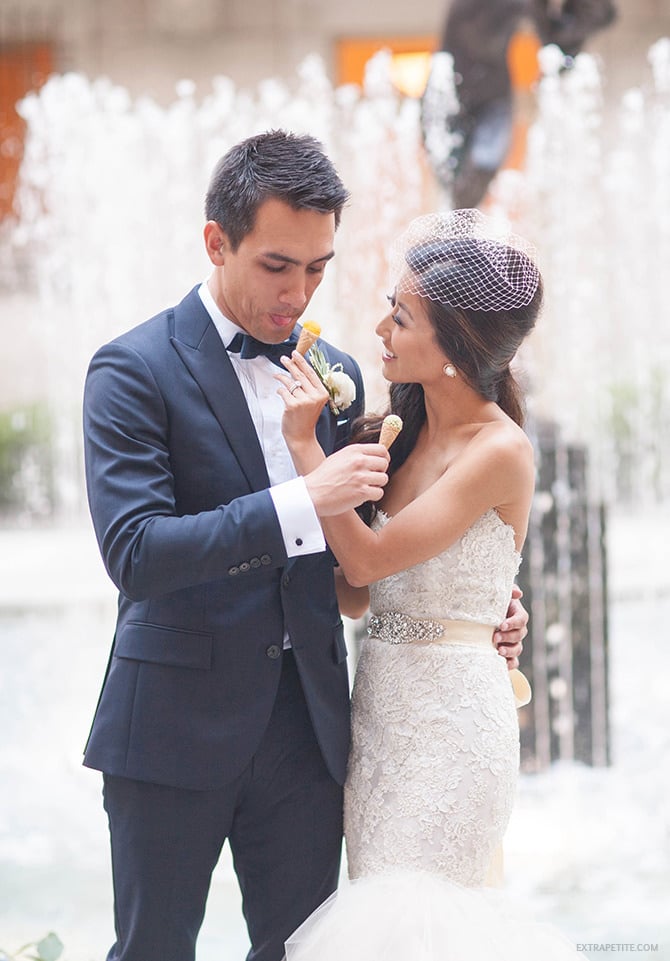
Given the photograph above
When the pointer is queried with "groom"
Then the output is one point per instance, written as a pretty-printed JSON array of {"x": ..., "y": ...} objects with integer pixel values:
[{"x": 224, "y": 710}]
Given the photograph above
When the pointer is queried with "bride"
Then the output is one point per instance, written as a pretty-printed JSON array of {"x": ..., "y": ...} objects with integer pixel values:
[{"x": 435, "y": 740}]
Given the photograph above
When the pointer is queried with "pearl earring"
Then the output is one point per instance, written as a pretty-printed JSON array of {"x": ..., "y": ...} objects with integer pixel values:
[{"x": 449, "y": 370}]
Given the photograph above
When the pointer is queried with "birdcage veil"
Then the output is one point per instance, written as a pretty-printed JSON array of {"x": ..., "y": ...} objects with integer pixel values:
[{"x": 466, "y": 259}]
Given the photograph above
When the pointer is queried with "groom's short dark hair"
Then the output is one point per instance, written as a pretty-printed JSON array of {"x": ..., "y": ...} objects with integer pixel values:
[{"x": 276, "y": 165}]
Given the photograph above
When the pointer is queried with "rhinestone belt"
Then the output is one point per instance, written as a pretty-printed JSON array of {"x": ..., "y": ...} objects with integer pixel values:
[{"x": 393, "y": 627}]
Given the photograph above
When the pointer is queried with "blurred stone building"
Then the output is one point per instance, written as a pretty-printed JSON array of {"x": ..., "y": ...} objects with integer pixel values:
[{"x": 148, "y": 46}]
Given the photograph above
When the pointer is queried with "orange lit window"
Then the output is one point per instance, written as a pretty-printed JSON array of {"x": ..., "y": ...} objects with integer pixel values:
[
  {"x": 410, "y": 60},
  {"x": 522, "y": 60},
  {"x": 23, "y": 67}
]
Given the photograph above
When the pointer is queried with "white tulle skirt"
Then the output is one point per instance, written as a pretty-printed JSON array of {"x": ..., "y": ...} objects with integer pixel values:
[{"x": 414, "y": 916}]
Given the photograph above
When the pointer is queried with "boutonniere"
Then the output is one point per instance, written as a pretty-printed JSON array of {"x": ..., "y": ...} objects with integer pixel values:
[{"x": 341, "y": 388}]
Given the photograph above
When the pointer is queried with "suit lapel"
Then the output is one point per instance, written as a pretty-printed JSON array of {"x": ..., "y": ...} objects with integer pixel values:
[
  {"x": 325, "y": 430},
  {"x": 197, "y": 342}
]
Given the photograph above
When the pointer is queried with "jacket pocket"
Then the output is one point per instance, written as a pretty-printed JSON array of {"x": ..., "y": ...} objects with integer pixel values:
[{"x": 164, "y": 645}]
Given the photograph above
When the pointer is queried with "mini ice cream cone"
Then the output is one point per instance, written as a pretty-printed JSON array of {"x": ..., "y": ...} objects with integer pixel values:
[
  {"x": 391, "y": 427},
  {"x": 308, "y": 336}
]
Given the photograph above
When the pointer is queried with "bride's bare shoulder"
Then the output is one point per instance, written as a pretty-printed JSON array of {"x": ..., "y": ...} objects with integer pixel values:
[
  {"x": 502, "y": 433},
  {"x": 502, "y": 444}
]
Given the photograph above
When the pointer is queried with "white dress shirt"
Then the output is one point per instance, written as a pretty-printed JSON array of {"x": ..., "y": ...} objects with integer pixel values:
[{"x": 297, "y": 517}]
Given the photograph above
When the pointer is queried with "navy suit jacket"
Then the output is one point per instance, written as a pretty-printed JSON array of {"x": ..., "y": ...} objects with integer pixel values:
[{"x": 177, "y": 488}]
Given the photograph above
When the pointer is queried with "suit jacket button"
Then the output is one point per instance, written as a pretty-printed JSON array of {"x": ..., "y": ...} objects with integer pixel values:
[
  {"x": 273, "y": 652},
  {"x": 245, "y": 566},
  {"x": 255, "y": 562},
  {"x": 266, "y": 559},
  {"x": 233, "y": 570},
  {"x": 286, "y": 580}
]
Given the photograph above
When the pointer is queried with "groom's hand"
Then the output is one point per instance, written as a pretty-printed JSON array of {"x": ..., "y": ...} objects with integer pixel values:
[
  {"x": 348, "y": 478},
  {"x": 509, "y": 636}
]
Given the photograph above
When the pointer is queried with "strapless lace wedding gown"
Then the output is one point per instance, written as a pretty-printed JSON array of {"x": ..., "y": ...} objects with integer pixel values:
[
  {"x": 435, "y": 738},
  {"x": 432, "y": 771}
]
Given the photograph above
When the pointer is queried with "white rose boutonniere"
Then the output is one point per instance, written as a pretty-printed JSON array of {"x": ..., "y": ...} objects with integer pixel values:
[{"x": 340, "y": 386}]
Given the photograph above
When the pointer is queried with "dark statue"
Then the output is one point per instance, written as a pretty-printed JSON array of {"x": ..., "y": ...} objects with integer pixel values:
[{"x": 477, "y": 34}]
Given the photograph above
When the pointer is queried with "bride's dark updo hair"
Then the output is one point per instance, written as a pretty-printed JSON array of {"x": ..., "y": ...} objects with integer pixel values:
[{"x": 481, "y": 342}]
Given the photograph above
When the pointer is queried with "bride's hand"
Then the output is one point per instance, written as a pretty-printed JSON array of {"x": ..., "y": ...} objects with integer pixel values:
[{"x": 304, "y": 397}]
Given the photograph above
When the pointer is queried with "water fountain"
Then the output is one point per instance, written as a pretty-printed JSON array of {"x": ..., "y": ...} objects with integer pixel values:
[
  {"x": 101, "y": 168},
  {"x": 599, "y": 187},
  {"x": 111, "y": 200}
]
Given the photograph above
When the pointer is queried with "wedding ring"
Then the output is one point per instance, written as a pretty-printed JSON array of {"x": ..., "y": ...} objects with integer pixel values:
[{"x": 295, "y": 387}]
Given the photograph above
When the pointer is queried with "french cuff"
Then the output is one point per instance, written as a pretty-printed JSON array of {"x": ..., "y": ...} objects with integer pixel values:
[{"x": 299, "y": 523}]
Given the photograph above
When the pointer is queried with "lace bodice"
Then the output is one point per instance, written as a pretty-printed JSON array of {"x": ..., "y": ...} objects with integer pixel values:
[
  {"x": 434, "y": 758},
  {"x": 470, "y": 581}
]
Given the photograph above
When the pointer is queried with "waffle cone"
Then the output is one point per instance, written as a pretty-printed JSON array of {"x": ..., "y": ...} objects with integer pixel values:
[
  {"x": 391, "y": 427},
  {"x": 308, "y": 336}
]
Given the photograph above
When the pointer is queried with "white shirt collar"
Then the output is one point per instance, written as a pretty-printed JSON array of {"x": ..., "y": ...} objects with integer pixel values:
[{"x": 226, "y": 328}]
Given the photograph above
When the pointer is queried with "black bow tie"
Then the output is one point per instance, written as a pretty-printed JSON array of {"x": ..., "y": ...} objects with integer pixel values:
[{"x": 248, "y": 347}]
